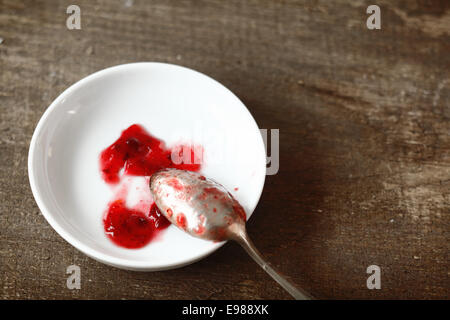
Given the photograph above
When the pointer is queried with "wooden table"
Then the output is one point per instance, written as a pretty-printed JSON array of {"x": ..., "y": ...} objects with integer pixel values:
[{"x": 364, "y": 119}]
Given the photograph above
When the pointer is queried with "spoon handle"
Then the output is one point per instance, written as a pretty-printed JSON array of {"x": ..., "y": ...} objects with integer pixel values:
[{"x": 244, "y": 240}]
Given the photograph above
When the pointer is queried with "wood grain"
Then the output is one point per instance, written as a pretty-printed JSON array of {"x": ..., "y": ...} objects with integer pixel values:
[{"x": 364, "y": 119}]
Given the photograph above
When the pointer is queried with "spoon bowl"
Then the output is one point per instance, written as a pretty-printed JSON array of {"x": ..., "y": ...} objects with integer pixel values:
[{"x": 197, "y": 205}]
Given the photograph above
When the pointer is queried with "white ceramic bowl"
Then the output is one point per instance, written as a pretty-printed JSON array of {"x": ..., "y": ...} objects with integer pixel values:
[{"x": 173, "y": 103}]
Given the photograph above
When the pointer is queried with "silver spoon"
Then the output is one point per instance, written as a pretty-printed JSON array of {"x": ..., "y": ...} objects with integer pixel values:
[{"x": 205, "y": 209}]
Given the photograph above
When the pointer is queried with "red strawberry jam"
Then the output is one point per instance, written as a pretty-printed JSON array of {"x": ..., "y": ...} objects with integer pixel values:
[
  {"x": 159, "y": 220},
  {"x": 141, "y": 154},
  {"x": 137, "y": 153}
]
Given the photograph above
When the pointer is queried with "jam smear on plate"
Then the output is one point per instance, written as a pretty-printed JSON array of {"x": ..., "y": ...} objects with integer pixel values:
[
  {"x": 131, "y": 228},
  {"x": 140, "y": 154},
  {"x": 137, "y": 153}
]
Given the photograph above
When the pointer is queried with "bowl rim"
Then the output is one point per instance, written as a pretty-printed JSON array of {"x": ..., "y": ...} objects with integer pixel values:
[{"x": 122, "y": 263}]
